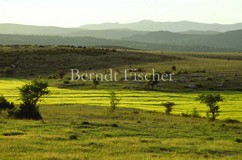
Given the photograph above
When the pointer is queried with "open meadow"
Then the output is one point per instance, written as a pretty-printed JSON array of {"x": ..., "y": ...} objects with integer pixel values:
[{"x": 77, "y": 122}]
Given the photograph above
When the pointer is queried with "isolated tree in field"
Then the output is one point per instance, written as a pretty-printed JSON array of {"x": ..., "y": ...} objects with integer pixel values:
[
  {"x": 96, "y": 82},
  {"x": 30, "y": 95},
  {"x": 4, "y": 104},
  {"x": 211, "y": 100},
  {"x": 154, "y": 80},
  {"x": 168, "y": 106},
  {"x": 114, "y": 100}
]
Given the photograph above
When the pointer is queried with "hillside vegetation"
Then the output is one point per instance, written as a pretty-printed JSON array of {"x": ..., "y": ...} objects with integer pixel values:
[
  {"x": 232, "y": 39},
  {"x": 92, "y": 41},
  {"x": 77, "y": 121}
]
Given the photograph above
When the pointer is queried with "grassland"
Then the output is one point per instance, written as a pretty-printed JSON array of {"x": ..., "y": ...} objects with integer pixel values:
[
  {"x": 148, "y": 100},
  {"x": 77, "y": 123},
  {"x": 87, "y": 132}
]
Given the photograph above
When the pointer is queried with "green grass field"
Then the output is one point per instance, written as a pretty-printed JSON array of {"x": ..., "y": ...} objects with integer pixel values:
[
  {"x": 148, "y": 100},
  {"x": 125, "y": 134},
  {"x": 78, "y": 125}
]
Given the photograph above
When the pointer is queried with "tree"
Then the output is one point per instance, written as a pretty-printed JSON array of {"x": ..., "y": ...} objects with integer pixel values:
[
  {"x": 154, "y": 80},
  {"x": 211, "y": 100},
  {"x": 96, "y": 82},
  {"x": 30, "y": 95},
  {"x": 168, "y": 106},
  {"x": 4, "y": 104},
  {"x": 114, "y": 100}
]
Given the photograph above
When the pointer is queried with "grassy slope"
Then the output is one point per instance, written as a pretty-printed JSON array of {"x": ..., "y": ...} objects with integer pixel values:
[
  {"x": 148, "y": 100},
  {"x": 137, "y": 135},
  {"x": 140, "y": 134},
  {"x": 91, "y": 41},
  {"x": 33, "y": 61}
]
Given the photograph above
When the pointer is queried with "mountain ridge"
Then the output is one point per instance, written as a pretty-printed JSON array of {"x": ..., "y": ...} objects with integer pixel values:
[
  {"x": 144, "y": 25},
  {"x": 179, "y": 26},
  {"x": 91, "y": 41},
  {"x": 230, "y": 39}
]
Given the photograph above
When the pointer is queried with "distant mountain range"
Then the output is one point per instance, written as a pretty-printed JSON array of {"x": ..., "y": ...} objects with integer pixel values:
[
  {"x": 66, "y": 32},
  {"x": 7, "y": 28},
  {"x": 118, "y": 31},
  {"x": 170, "y": 36},
  {"x": 182, "y": 26}
]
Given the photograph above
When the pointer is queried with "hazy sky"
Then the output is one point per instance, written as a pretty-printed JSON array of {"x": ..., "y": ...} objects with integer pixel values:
[{"x": 73, "y": 13}]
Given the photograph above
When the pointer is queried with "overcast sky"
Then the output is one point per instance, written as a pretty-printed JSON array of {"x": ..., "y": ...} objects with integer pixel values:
[{"x": 73, "y": 13}]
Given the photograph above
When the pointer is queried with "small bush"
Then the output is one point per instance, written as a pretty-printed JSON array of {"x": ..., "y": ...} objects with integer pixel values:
[
  {"x": 228, "y": 120},
  {"x": 185, "y": 114},
  {"x": 238, "y": 140},
  {"x": 96, "y": 82},
  {"x": 114, "y": 100},
  {"x": 66, "y": 82},
  {"x": 13, "y": 133},
  {"x": 73, "y": 137},
  {"x": 85, "y": 123},
  {"x": 61, "y": 74},
  {"x": 168, "y": 106},
  {"x": 114, "y": 125},
  {"x": 4, "y": 104},
  {"x": 195, "y": 113},
  {"x": 173, "y": 68}
]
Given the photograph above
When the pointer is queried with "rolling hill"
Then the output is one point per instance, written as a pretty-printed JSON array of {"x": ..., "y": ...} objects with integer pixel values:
[
  {"x": 118, "y": 31},
  {"x": 189, "y": 40},
  {"x": 8, "y": 28},
  {"x": 90, "y": 41},
  {"x": 107, "y": 34},
  {"x": 66, "y": 32},
  {"x": 200, "y": 32},
  {"x": 161, "y": 37},
  {"x": 181, "y": 26},
  {"x": 231, "y": 39}
]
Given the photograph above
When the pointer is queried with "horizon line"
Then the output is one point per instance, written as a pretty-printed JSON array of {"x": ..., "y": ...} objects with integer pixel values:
[{"x": 37, "y": 25}]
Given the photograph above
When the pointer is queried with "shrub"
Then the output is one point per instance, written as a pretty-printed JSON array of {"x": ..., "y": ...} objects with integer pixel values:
[
  {"x": 211, "y": 100},
  {"x": 66, "y": 82},
  {"x": 73, "y": 137},
  {"x": 238, "y": 140},
  {"x": 168, "y": 106},
  {"x": 195, "y": 113},
  {"x": 114, "y": 125},
  {"x": 5, "y": 105},
  {"x": 173, "y": 68},
  {"x": 154, "y": 80},
  {"x": 185, "y": 114},
  {"x": 61, "y": 74},
  {"x": 96, "y": 82},
  {"x": 114, "y": 100},
  {"x": 228, "y": 120},
  {"x": 30, "y": 95}
]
